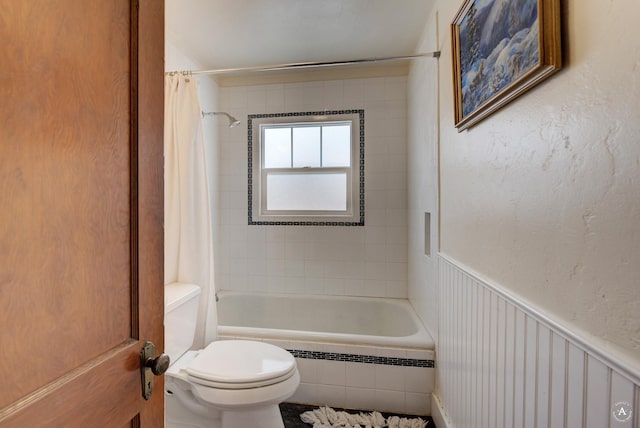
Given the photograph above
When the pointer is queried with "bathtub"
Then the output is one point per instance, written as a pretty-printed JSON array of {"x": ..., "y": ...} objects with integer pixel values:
[
  {"x": 352, "y": 352},
  {"x": 334, "y": 319}
]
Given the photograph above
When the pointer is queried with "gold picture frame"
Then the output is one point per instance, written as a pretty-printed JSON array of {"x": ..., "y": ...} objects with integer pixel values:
[{"x": 501, "y": 49}]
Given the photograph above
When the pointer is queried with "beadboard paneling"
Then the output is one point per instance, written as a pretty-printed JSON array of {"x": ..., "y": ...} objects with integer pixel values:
[{"x": 502, "y": 365}]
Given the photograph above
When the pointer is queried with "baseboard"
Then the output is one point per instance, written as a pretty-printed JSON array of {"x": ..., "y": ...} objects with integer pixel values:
[{"x": 438, "y": 413}]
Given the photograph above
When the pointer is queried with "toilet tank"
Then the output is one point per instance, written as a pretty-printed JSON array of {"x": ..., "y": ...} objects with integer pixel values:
[{"x": 180, "y": 317}]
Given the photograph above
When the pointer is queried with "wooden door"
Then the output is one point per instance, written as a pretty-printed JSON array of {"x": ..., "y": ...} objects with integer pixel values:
[{"x": 81, "y": 210}]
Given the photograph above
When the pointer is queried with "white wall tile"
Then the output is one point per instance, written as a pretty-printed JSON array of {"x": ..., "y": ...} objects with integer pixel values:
[
  {"x": 334, "y": 286},
  {"x": 331, "y": 372},
  {"x": 294, "y": 251},
  {"x": 360, "y": 398},
  {"x": 314, "y": 285},
  {"x": 417, "y": 404},
  {"x": 396, "y": 271},
  {"x": 360, "y": 375},
  {"x": 395, "y": 181},
  {"x": 294, "y": 267},
  {"x": 293, "y": 97},
  {"x": 390, "y": 377},
  {"x": 375, "y": 235},
  {"x": 255, "y": 283},
  {"x": 256, "y": 266},
  {"x": 333, "y": 94},
  {"x": 396, "y": 253},
  {"x": 375, "y": 288},
  {"x": 397, "y": 216},
  {"x": 376, "y": 199},
  {"x": 294, "y": 234},
  {"x": 274, "y": 234},
  {"x": 354, "y": 93},
  {"x": 375, "y": 270},
  {"x": 397, "y": 163},
  {"x": 418, "y": 379},
  {"x": 375, "y": 252},
  {"x": 306, "y": 393},
  {"x": 308, "y": 369},
  {"x": 345, "y": 270},
  {"x": 396, "y": 289},
  {"x": 257, "y": 99},
  {"x": 331, "y": 395},
  {"x": 377, "y": 146},
  {"x": 354, "y": 287},
  {"x": 275, "y": 251},
  {"x": 314, "y": 268},
  {"x": 397, "y": 199},
  {"x": 274, "y": 99},
  {"x": 342, "y": 258},
  {"x": 374, "y": 89},
  {"x": 395, "y": 88},
  {"x": 389, "y": 401},
  {"x": 376, "y": 216},
  {"x": 396, "y": 235}
]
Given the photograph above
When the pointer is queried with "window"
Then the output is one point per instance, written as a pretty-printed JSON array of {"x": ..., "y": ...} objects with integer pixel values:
[{"x": 307, "y": 168}]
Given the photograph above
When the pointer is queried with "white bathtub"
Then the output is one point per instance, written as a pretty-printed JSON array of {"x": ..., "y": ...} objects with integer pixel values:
[
  {"x": 352, "y": 352},
  {"x": 334, "y": 319}
]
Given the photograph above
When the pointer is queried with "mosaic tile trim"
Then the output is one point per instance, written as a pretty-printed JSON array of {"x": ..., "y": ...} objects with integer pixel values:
[
  {"x": 367, "y": 359},
  {"x": 251, "y": 222}
]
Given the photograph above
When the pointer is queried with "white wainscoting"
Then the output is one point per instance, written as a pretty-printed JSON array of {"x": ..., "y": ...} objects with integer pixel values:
[{"x": 503, "y": 364}]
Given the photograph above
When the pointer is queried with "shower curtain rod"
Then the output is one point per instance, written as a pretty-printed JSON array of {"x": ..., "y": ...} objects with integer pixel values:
[{"x": 300, "y": 65}]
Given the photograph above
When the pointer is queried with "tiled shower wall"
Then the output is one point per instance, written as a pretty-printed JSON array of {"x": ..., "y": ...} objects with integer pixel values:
[
  {"x": 502, "y": 364},
  {"x": 368, "y": 260}
]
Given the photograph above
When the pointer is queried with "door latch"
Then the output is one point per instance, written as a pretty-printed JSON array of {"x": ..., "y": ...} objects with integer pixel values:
[{"x": 151, "y": 365}]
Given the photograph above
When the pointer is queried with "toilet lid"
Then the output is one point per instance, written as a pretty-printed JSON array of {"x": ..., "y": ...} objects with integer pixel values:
[{"x": 241, "y": 364}]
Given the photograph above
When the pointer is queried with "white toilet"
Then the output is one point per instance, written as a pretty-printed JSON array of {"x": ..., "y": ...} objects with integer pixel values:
[{"x": 239, "y": 381}]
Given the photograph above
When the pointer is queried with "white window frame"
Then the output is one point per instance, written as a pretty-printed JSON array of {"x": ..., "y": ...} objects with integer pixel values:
[{"x": 354, "y": 213}]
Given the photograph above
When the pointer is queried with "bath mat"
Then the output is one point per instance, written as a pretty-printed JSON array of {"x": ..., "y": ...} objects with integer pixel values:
[{"x": 326, "y": 417}]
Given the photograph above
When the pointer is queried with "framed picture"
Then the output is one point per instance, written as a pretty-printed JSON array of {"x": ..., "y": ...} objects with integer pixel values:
[{"x": 500, "y": 49}]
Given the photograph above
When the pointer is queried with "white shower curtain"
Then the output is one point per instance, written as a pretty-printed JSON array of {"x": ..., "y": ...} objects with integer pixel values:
[{"x": 188, "y": 246}]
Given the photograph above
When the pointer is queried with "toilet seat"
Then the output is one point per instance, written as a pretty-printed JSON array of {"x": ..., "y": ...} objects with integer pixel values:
[{"x": 240, "y": 364}]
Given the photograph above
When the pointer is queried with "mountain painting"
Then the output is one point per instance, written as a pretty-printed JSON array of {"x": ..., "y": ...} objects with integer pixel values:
[
  {"x": 499, "y": 42},
  {"x": 500, "y": 50}
]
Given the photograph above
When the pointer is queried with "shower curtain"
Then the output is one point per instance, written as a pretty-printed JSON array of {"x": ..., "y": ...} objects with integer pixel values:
[{"x": 188, "y": 246}]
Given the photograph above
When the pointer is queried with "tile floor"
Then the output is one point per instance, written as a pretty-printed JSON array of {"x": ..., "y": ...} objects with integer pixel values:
[{"x": 291, "y": 415}]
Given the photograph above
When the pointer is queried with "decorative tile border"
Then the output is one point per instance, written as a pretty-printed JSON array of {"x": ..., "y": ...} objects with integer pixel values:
[
  {"x": 251, "y": 117},
  {"x": 366, "y": 359}
]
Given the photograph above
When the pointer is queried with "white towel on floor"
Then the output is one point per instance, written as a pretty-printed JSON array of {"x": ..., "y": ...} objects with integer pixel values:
[
  {"x": 397, "y": 422},
  {"x": 326, "y": 417}
]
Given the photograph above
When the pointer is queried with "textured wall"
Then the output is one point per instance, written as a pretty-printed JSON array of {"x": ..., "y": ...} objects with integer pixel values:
[{"x": 543, "y": 197}]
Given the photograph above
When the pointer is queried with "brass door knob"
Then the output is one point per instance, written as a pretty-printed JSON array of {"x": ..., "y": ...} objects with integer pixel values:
[{"x": 158, "y": 365}]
